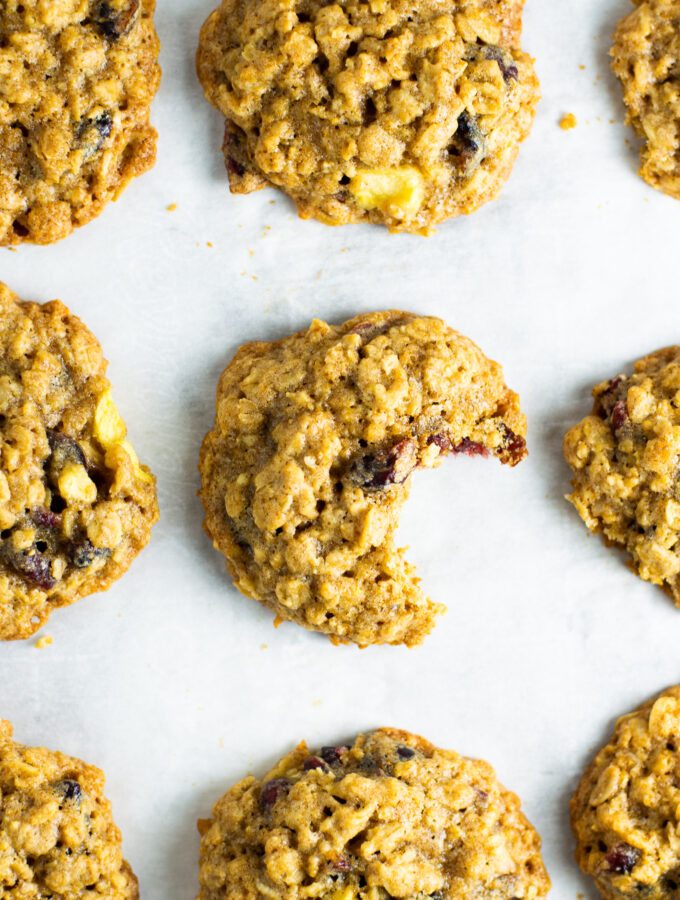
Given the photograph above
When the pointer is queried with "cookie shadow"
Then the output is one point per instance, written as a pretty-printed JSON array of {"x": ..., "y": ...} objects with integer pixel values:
[
  {"x": 611, "y": 84},
  {"x": 567, "y": 844},
  {"x": 209, "y": 122},
  {"x": 197, "y": 410}
]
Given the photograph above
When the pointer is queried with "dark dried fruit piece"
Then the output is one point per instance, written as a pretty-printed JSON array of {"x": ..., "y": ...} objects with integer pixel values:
[
  {"x": 616, "y": 390},
  {"x": 622, "y": 859},
  {"x": 64, "y": 450},
  {"x": 514, "y": 448},
  {"x": 442, "y": 441},
  {"x": 234, "y": 167},
  {"x": 45, "y": 518},
  {"x": 333, "y": 755},
  {"x": 69, "y": 788},
  {"x": 342, "y": 865},
  {"x": 468, "y": 144},
  {"x": 619, "y": 415},
  {"x": 508, "y": 69},
  {"x": 93, "y": 133},
  {"x": 466, "y": 446},
  {"x": 314, "y": 762},
  {"x": 30, "y": 563},
  {"x": 470, "y": 448},
  {"x": 243, "y": 178},
  {"x": 271, "y": 791},
  {"x": 115, "y": 20},
  {"x": 375, "y": 472},
  {"x": 82, "y": 553},
  {"x": 406, "y": 752}
]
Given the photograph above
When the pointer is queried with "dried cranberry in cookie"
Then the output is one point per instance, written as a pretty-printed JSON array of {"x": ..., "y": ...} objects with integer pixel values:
[
  {"x": 315, "y": 443},
  {"x": 398, "y": 113},
  {"x": 76, "y": 506},
  {"x": 393, "y": 817}
]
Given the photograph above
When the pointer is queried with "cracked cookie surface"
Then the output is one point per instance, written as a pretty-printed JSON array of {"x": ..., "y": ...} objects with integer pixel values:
[
  {"x": 57, "y": 834},
  {"x": 77, "y": 78},
  {"x": 389, "y": 816},
  {"x": 75, "y": 504},
  {"x": 391, "y": 112},
  {"x": 646, "y": 59},
  {"x": 625, "y": 812},
  {"x": 626, "y": 462},
  {"x": 310, "y": 460}
]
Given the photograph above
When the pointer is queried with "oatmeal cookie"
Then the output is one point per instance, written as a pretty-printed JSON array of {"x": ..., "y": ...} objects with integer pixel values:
[
  {"x": 397, "y": 113},
  {"x": 625, "y": 813},
  {"x": 626, "y": 462},
  {"x": 310, "y": 461},
  {"x": 57, "y": 834},
  {"x": 77, "y": 78},
  {"x": 646, "y": 59},
  {"x": 75, "y": 504},
  {"x": 390, "y": 816}
]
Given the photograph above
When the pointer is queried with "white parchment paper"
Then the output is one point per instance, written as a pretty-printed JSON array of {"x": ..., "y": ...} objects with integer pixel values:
[{"x": 174, "y": 683}]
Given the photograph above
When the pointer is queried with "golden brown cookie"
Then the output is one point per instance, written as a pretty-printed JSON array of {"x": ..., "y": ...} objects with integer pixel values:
[
  {"x": 309, "y": 463},
  {"x": 625, "y": 457},
  {"x": 397, "y": 113},
  {"x": 625, "y": 813},
  {"x": 75, "y": 504},
  {"x": 389, "y": 816},
  {"x": 646, "y": 56},
  {"x": 77, "y": 78},
  {"x": 57, "y": 834}
]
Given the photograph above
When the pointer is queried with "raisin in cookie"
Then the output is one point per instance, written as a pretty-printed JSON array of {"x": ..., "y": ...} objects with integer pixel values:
[
  {"x": 646, "y": 55},
  {"x": 76, "y": 81},
  {"x": 397, "y": 113},
  {"x": 57, "y": 835},
  {"x": 625, "y": 813},
  {"x": 310, "y": 461},
  {"x": 390, "y": 816},
  {"x": 75, "y": 504},
  {"x": 626, "y": 462}
]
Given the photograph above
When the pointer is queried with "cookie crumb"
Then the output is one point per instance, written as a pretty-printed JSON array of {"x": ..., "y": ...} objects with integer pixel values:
[
  {"x": 568, "y": 121},
  {"x": 172, "y": 207},
  {"x": 278, "y": 621},
  {"x": 44, "y": 641}
]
